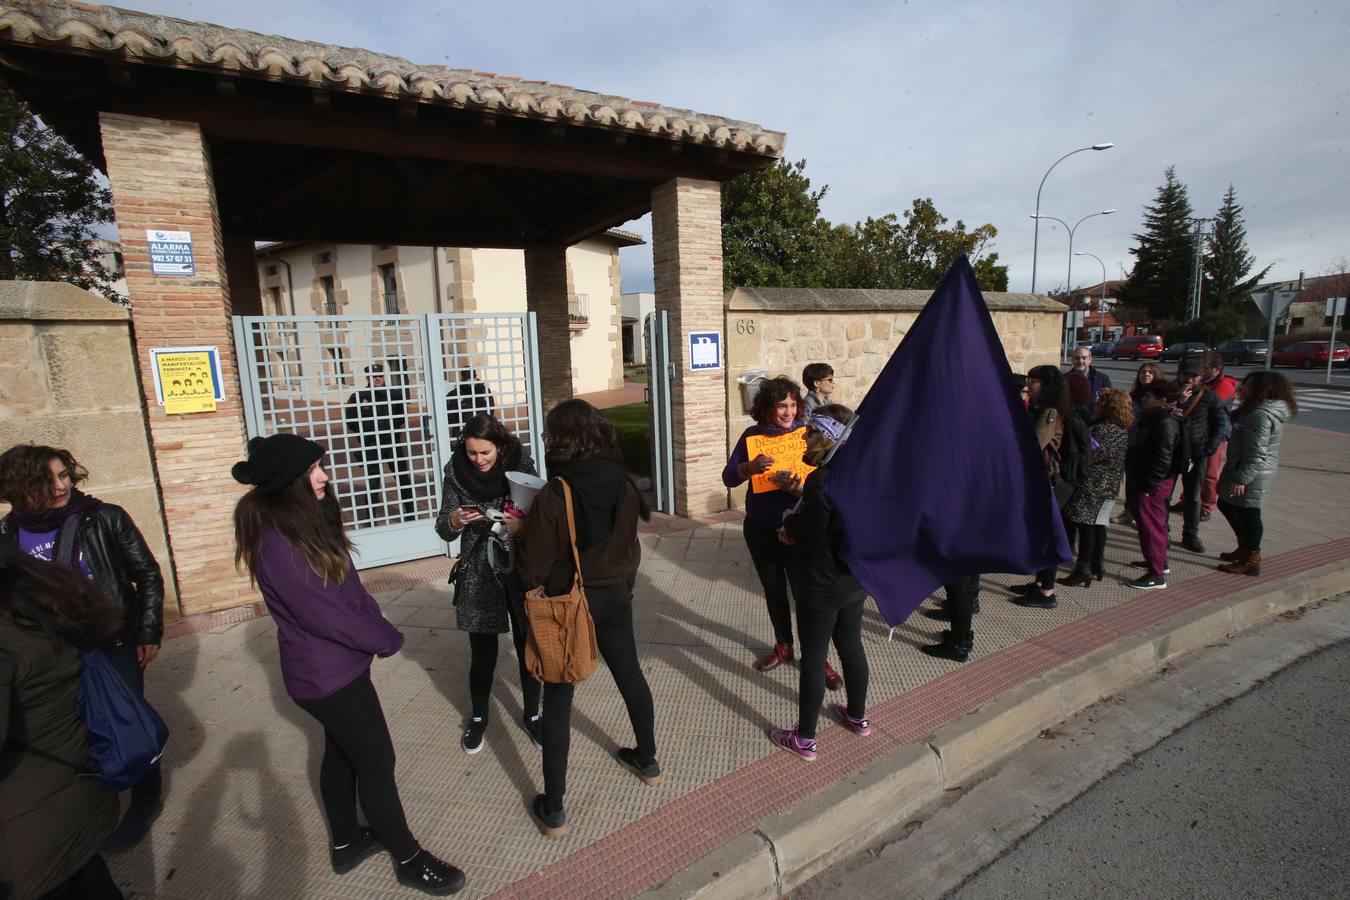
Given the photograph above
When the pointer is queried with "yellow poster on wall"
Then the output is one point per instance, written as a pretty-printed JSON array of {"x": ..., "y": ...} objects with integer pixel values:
[
  {"x": 187, "y": 379},
  {"x": 786, "y": 450}
]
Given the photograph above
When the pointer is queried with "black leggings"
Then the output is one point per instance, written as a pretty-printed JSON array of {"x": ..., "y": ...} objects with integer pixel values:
[
  {"x": 772, "y": 558},
  {"x": 483, "y": 664},
  {"x": 1246, "y": 524},
  {"x": 92, "y": 881},
  {"x": 358, "y": 758},
  {"x": 1045, "y": 578},
  {"x": 838, "y": 618},
  {"x": 1091, "y": 548},
  {"x": 612, "y": 609},
  {"x": 962, "y": 595}
]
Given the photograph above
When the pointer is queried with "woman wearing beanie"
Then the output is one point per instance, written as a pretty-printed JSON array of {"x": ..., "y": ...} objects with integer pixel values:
[
  {"x": 288, "y": 532},
  {"x": 830, "y": 604},
  {"x": 488, "y": 598}
]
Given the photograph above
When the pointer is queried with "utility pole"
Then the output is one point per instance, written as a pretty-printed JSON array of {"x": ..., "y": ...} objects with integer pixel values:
[{"x": 1197, "y": 271}]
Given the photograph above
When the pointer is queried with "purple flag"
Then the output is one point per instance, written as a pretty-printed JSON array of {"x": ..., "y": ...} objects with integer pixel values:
[{"x": 942, "y": 476}]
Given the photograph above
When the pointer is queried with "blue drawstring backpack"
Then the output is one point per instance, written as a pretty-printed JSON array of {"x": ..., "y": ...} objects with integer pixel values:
[{"x": 126, "y": 735}]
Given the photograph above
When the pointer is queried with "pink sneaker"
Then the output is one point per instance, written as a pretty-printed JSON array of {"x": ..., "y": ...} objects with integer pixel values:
[
  {"x": 788, "y": 740},
  {"x": 857, "y": 726}
]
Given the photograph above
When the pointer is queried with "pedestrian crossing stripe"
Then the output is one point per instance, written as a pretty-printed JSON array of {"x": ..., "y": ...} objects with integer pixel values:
[{"x": 1336, "y": 401}]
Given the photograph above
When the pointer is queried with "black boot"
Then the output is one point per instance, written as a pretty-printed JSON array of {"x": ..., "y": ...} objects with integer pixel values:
[
  {"x": 1099, "y": 553},
  {"x": 1076, "y": 578},
  {"x": 950, "y": 648}
]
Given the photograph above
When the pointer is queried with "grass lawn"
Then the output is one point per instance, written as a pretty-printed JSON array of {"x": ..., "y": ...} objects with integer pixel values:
[
  {"x": 635, "y": 373},
  {"x": 633, "y": 423}
]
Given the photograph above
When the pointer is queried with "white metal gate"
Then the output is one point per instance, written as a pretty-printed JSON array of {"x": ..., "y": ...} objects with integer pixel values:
[
  {"x": 659, "y": 373},
  {"x": 386, "y": 395}
]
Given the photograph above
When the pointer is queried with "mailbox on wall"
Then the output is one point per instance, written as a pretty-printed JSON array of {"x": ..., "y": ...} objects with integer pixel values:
[{"x": 750, "y": 383}]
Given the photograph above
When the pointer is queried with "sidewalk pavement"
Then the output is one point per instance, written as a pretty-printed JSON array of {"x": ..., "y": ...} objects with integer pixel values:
[
  {"x": 242, "y": 818},
  {"x": 631, "y": 392}
]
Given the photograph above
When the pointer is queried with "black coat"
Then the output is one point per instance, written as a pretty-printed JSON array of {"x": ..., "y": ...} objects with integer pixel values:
[
  {"x": 1149, "y": 459},
  {"x": 379, "y": 415},
  {"x": 1204, "y": 426},
  {"x": 51, "y": 823},
  {"x": 818, "y": 536},
  {"x": 122, "y": 566}
]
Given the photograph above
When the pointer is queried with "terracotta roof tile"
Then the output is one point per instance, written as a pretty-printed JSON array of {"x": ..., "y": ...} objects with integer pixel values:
[{"x": 143, "y": 37}]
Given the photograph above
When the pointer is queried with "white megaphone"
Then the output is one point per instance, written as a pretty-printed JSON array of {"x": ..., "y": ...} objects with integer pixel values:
[{"x": 523, "y": 488}]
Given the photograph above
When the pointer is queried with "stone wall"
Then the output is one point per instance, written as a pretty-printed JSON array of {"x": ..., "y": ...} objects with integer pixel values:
[
  {"x": 780, "y": 330},
  {"x": 68, "y": 379}
]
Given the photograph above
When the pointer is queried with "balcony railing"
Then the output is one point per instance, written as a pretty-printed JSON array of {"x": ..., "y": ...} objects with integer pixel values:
[{"x": 578, "y": 310}]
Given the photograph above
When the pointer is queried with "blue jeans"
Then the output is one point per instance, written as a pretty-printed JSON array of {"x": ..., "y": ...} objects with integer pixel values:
[{"x": 123, "y": 657}]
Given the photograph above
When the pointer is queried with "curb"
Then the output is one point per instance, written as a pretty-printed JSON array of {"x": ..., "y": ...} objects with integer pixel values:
[{"x": 787, "y": 849}]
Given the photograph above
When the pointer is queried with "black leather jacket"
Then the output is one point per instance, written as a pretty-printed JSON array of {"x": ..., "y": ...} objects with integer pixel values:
[
  {"x": 1149, "y": 461},
  {"x": 122, "y": 566}
]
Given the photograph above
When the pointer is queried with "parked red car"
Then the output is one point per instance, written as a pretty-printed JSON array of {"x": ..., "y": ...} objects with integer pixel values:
[
  {"x": 1306, "y": 354},
  {"x": 1139, "y": 346}
]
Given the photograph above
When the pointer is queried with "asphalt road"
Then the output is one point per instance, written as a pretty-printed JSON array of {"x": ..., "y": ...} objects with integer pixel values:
[
  {"x": 1320, "y": 405},
  {"x": 1252, "y": 800}
]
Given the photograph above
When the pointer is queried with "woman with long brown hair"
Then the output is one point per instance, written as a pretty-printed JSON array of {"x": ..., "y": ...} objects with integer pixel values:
[
  {"x": 488, "y": 599},
  {"x": 1090, "y": 507},
  {"x": 1267, "y": 403},
  {"x": 1049, "y": 408},
  {"x": 288, "y": 533},
  {"x": 53, "y": 822},
  {"x": 582, "y": 448}
]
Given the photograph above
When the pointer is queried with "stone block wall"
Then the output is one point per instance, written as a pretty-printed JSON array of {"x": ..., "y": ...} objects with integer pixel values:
[{"x": 68, "y": 379}]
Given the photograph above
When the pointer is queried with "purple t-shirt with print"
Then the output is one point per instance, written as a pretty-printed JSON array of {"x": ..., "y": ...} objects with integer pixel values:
[{"x": 42, "y": 545}]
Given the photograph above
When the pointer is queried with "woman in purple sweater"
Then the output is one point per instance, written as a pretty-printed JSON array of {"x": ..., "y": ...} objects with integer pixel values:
[
  {"x": 776, "y": 411},
  {"x": 288, "y": 532}
]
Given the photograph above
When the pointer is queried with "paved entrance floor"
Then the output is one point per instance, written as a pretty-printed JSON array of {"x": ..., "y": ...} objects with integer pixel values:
[{"x": 242, "y": 817}]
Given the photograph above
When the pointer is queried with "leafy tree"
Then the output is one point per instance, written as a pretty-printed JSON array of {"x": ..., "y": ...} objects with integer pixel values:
[
  {"x": 773, "y": 235},
  {"x": 50, "y": 202},
  {"x": 1226, "y": 269},
  {"x": 1161, "y": 279},
  {"x": 772, "y": 232}
]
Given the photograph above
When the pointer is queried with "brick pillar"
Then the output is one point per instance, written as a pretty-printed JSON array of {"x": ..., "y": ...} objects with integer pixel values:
[
  {"x": 241, "y": 274},
  {"x": 161, "y": 178},
  {"x": 687, "y": 259},
  {"x": 546, "y": 297}
]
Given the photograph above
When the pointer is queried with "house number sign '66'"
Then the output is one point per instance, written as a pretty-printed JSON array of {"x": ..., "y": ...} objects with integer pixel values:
[{"x": 745, "y": 326}]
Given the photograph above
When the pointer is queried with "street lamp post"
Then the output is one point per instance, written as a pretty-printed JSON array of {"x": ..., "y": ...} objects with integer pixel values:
[
  {"x": 1068, "y": 278},
  {"x": 1101, "y": 306},
  {"x": 1036, "y": 235}
]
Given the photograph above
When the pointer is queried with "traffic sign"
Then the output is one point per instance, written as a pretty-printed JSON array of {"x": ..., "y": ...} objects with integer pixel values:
[{"x": 1280, "y": 300}]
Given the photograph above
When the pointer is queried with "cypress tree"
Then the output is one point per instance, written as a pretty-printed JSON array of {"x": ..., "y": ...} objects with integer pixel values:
[{"x": 1161, "y": 278}]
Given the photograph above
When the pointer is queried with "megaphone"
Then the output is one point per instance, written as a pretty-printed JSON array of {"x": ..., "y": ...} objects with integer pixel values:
[{"x": 523, "y": 488}]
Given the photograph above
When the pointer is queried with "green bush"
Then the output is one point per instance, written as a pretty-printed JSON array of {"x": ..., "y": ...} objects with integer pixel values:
[{"x": 632, "y": 422}]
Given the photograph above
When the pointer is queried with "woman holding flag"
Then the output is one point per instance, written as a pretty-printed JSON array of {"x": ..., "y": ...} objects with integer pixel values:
[{"x": 773, "y": 490}]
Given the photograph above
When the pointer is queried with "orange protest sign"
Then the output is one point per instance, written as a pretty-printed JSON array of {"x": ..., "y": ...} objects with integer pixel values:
[{"x": 786, "y": 451}]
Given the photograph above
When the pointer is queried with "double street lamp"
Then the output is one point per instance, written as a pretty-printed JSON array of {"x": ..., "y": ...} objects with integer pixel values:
[
  {"x": 1035, "y": 241},
  {"x": 1068, "y": 280},
  {"x": 1101, "y": 306}
]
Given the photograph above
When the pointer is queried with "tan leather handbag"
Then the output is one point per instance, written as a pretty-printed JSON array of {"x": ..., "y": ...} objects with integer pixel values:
[{"x": 560, "y": 647}]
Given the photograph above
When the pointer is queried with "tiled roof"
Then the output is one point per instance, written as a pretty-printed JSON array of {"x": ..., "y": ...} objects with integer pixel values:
[{"x": 145, "y": 38}]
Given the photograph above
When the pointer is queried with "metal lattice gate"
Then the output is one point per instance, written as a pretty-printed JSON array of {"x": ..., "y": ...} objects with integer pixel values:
[{"x": 386, "y": 395}]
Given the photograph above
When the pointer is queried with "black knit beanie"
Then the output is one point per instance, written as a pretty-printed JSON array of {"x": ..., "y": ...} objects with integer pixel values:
[{"x": 274, "y": 462}]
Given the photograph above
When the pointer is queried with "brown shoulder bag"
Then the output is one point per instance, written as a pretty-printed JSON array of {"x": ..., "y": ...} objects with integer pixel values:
[{"x": 560, "y": 646}]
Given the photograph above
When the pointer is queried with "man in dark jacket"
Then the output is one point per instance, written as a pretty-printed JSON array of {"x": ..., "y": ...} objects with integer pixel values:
[
  {"x": 54, "y": 521},
  {"x": 1083, "y": 381},
  {"x": 467, "y": 399},
  {"x": 379, "y": 414},
  {"x": 1149, "y": 478},
  {"x": 1203, "y": 424}
]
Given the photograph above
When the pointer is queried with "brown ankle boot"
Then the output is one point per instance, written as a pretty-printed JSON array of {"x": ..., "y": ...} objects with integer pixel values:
[
  {"x": 1234, "y": 555},
  {"x": 1248, "y": 565}
]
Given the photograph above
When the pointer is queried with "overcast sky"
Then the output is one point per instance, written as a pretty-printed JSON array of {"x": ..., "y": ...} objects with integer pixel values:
[{"x": 967, "y": 103}]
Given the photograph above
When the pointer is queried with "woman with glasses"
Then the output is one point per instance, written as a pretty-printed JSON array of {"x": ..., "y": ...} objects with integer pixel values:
[
  {"x": 488, "y": 599},
  {"x": 830, "y": 602},
  {"x": 818, "y": 379},
  {"x": 582, "y": 449}
]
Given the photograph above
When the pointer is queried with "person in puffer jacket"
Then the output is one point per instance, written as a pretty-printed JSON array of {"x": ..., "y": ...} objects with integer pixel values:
[{"x": 1267, "y": 403}]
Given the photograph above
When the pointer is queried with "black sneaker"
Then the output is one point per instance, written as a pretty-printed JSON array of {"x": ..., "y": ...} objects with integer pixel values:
[
  {"x": 1193, "y": 544},
  {"x": 1035, "y": 601},
  {"x": 552, "y": 824},
  {"x": 534, "y": 727},
  {"x": 1149, "y": 583},
  {"x": 648, "y": 774},
  {"x": 429, "y": 875},
  {"x": 472, "y": 739},
  {"x": 352, "y": 855}
]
